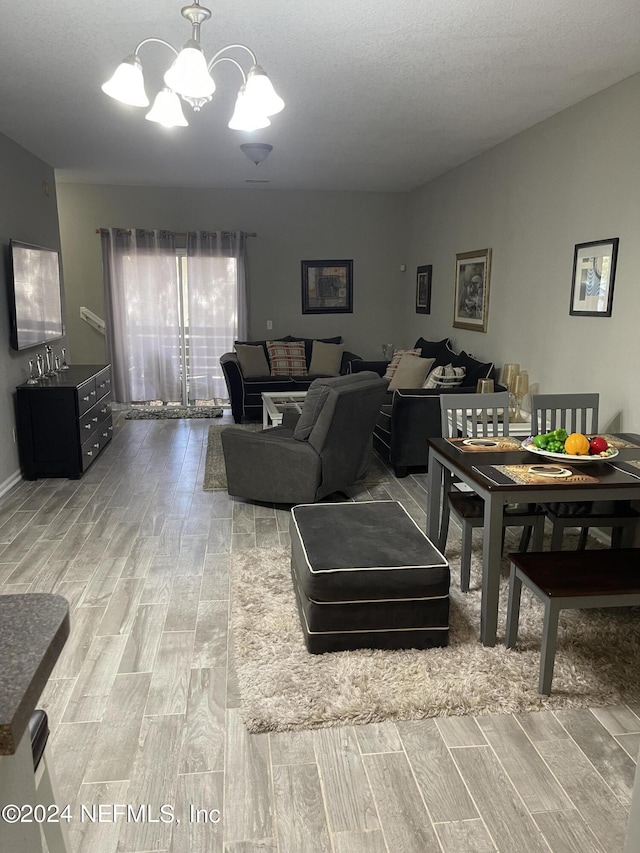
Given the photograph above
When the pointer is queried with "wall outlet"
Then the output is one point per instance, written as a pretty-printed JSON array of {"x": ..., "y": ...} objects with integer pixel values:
[{"x": 269, "y": 325}]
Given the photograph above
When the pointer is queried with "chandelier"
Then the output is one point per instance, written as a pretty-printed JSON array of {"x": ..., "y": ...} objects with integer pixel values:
[{"x": 189, "y": 78}]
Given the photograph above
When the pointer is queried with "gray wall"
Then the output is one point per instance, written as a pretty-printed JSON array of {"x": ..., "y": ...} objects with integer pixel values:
[
  {"x": 27, "y": 214},
  {"x": 571, "y": 179},
  {"x": 369, "y": 228}
]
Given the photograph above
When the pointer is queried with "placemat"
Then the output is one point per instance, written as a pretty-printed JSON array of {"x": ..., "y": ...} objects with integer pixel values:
[
  {"x": 618, "y": 442},
  {"x": 503, "y": 475},
  {"x": 505, "y": 442},
  {"x": 630, "y": 466}
]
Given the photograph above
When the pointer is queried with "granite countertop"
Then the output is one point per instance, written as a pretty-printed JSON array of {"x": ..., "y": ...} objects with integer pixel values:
[{"x": 33, "y": 630}]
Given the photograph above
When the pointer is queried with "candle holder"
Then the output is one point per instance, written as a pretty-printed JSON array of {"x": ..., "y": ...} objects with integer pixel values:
[
  {"x": 520, "y": 388},
  {"x": 387, "y": 351},
  {"x": 48, "y": 354},
  {"x": 33, "y": 379},
  {"x": 63, "y": 356},
  {"x": 40, "y": 365}
]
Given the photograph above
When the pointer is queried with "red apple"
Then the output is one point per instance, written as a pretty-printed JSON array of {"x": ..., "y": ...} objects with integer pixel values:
[{"x": 597, "y": 445}]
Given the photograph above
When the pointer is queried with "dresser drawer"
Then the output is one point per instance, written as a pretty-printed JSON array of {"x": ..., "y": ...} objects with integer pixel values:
[
  {"x": 86, "y": 395},
  {"x": 94, "y": 444},
  {"x": 103, "y": 383}
]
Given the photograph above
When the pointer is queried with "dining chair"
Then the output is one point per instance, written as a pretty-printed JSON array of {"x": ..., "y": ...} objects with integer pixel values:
[
  {"x": 578, "y": 413},
  {"x": 474, "y": 416}
]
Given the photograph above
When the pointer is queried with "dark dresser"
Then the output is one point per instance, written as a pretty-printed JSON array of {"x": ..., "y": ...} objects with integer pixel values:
[{"x": 64, "y": 422}]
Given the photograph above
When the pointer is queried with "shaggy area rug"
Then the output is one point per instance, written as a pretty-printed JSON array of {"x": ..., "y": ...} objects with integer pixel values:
[
  {"x": 284, "y": 688},
  {"x": 161, "y": 413},
  {"x": 215, "y": 476}
]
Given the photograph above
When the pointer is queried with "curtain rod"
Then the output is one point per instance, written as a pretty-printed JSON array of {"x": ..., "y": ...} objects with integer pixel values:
[{"x": 183, "y": 233}]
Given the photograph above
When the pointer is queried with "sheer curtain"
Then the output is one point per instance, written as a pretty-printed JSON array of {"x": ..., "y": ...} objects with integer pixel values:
[
  {"x": 142, "y": 309},
  {"x": 216, "y": 309}
]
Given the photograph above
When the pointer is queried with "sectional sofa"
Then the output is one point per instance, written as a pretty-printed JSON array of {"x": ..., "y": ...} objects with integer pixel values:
[{"x": 410, "y": 416}]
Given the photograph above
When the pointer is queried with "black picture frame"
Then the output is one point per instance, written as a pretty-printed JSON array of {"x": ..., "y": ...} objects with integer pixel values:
[
  {"x": 327, "y": 287},
  {"x": 423, "y": 289},
  {"x": 594, "y": 273}
]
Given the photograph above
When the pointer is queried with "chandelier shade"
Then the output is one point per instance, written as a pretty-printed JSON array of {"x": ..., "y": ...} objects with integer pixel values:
[
  {"x": 190, "y": 77},
  {"x": 167, "y": 110},
  {"x": 127, "y": 83}
]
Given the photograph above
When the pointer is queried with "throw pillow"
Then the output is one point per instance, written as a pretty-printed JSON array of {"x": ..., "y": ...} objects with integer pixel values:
[
  {"x": 431, "y": 349},
  {"x": 252, "y": 360},
  {"x": 395, "y": 361},
  {"x": 287, "y": 359},
  {"x": 411, "y": 372},
  {"x": 325, "y": 359},
  {"x": 445, "y": 376},
  {"x": 311, "y": 408}
]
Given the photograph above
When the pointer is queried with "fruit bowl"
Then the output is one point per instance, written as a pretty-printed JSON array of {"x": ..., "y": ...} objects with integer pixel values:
[{"x": 528, "y": 444}]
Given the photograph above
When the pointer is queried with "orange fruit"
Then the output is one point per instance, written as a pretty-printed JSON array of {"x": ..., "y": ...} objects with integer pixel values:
[{"x": 577, "y": 444}]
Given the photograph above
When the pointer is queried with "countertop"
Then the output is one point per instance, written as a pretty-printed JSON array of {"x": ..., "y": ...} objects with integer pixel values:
[{"x": 33, "y": 630}]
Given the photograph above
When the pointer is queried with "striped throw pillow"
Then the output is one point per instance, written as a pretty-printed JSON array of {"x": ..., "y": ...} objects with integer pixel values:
[
  {"x": 445, "y": 376},
  {"x": 287, "y": 358}
]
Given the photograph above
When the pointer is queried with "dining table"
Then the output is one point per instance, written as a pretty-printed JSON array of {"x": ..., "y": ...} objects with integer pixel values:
[{"x": 506, "y": 473}]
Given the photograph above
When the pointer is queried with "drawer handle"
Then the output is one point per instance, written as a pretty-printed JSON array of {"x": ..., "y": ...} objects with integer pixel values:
[
  {"x": 93, "y": 393},
  {"x": 97, "y": 445},
  {"x": 111, "y": 429},
  {"x": 104, "y": 411},
  {"x": 89, "y": 452},
  {"x": 102, "y": 385},
  {"x": 86, "y": 426},
  {"x": 86, "y": 399},
  {"x": 95, "y": 420}
]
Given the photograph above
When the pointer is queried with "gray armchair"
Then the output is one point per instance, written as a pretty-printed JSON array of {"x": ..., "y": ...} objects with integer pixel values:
[{"x": 326, "y": 451}]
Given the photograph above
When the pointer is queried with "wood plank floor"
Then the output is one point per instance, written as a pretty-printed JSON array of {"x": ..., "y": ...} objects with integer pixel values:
[{"x": 143, "y": 703}]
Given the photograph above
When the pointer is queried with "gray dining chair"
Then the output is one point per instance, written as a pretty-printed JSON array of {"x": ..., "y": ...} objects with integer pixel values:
[
  {"x": 578, "y": 413},
  {"x": 473, "y": 416}
]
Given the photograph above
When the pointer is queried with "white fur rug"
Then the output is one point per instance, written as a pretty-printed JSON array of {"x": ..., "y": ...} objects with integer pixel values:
[{"x": 283, "y": 687}]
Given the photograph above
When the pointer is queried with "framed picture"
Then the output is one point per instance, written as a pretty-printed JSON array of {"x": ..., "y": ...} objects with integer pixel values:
[
  {"x": 594, "y": 271},
  {"x": 471, "y": 288},
  {"x": 423, "y": 290},
  {"x": 327, "y": 287}
]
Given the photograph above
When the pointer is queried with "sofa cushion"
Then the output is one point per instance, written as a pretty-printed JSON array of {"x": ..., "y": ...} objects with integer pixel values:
[
  {"x": 474, "y": 369},
  {"x": 395, "y": 361},
  {"x": 445, "y": 376},
  {"x": 308, "y": 344},
  {"x": 325, "y": 359},
  {"x": 411, "y": 372},
  {"x": 287, "y": 358},
  {"x": 432, "y": 349},
  {"x": 253, "y": 360}
]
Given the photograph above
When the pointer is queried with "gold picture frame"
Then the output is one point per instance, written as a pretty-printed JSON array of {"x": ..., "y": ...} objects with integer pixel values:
[{"x": 471, "y": 290}]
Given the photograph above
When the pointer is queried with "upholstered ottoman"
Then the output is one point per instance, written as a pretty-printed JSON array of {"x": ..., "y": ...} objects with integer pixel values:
[{"x": 366, "y": 576}]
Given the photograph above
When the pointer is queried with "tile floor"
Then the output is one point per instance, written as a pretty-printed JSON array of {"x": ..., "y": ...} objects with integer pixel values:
[{"x": 144, "y": 706}]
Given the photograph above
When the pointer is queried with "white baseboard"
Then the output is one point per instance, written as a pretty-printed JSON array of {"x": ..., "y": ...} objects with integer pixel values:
[{"x": 10, "y": 482}]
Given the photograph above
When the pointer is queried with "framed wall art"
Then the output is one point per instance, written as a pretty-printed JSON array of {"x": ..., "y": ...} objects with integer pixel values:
[
  {"x": 594, "y": 272},
  {"x": 471, "y": 289},
  {"x": 423, "y": 290},
  {"x": 327, "y": 287}
]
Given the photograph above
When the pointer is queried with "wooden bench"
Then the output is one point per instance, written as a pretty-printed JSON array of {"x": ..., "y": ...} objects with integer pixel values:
[{"x": 570, "y": 579}]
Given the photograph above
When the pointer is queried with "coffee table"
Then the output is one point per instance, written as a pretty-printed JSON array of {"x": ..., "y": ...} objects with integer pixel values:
[{"x": 276, "y": 403}]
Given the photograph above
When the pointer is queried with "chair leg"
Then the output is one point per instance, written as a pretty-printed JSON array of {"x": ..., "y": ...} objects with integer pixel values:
[
  {"x": 616, "y": 537},
  {"x": 513, "y": 610},
  {"x": 549, "y": 638},
  {"x": 538, "y": 533},
  {"x": 525, "y": 538},
  {"x": 582, "y": 540},
  {"x": 465, "y": 557},
  {"x": 556, "y": 536}
]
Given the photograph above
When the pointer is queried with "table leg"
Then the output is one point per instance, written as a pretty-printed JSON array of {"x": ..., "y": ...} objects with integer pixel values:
[
  {"x": 491, "y": 555},
  {"x": 434, "y": 490}
]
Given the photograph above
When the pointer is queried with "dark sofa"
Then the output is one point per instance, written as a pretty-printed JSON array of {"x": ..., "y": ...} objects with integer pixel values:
[
  {"x": 410, "y": 416},
  {"x": 244, "y": 393}
]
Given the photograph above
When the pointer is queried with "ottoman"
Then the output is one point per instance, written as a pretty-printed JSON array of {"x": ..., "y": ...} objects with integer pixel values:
[{"x": 366, "y": 576}]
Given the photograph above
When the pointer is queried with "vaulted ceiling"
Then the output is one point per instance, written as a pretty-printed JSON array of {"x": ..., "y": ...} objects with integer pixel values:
[{"x": 379, "y": 95}]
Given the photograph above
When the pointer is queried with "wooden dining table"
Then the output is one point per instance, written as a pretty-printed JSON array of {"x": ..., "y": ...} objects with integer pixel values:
[{"x": 500, "y": 476}]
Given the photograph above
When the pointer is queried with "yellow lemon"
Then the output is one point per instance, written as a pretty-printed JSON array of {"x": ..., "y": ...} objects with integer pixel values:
[{"x": 577, "y": 444}]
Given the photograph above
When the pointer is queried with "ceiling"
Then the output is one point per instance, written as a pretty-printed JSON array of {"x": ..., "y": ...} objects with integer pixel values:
[{"x": 380, "y": 96}]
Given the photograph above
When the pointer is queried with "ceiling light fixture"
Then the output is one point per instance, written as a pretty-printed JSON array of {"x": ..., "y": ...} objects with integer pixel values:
[
  {"x": 256, "y": 151},
  {"x": 190, "y": 78}
]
